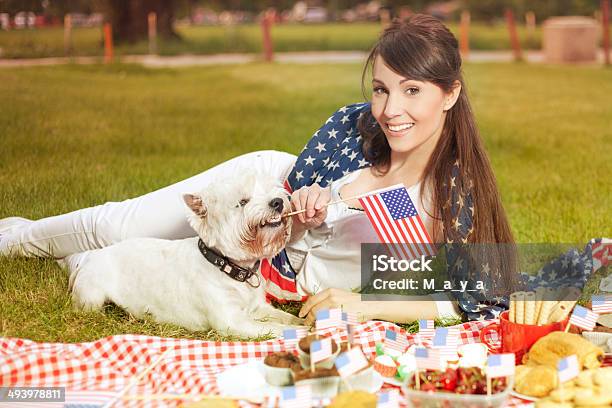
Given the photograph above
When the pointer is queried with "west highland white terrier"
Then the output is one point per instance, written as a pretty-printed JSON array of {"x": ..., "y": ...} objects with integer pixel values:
[{"x": 210, "y": 281}]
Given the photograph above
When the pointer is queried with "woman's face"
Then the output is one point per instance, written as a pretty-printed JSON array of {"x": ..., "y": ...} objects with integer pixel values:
[{"x": 410, "y": 113}]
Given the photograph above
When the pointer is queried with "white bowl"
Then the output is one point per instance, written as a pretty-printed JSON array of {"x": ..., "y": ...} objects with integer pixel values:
[
  {"x": 280, "y": 376},
  {"x": 327, "y": 363},
  {"x": 324, "y": 387},
  {"x": 363, "y": 380}
]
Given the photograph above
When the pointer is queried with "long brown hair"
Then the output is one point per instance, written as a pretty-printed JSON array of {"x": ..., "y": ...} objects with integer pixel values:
[
  {"x": 458, "y": 171},
  {"x": 423, "y": 49}
]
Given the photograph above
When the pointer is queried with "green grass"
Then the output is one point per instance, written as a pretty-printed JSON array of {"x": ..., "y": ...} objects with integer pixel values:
[
  {"x": 76, "y": 136},
  {"x": 243, "y": 38}
]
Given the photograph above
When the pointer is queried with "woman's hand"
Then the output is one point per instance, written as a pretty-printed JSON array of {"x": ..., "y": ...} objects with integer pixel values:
[
  {"x": 314, "y": 200},
  {"x": 334, "y": 298}
]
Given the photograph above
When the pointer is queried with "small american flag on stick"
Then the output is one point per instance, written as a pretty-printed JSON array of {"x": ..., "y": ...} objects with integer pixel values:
[
  {"x": 601, "y": 303},
  {"x": 396, "y": 221},
  {"x": 583, "y": 318}
]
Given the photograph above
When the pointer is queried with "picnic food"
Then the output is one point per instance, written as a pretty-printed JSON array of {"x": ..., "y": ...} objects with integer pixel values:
[
  {"x": 304, "y": 352},
  {"x": 305, "y": 342},
  {"x": 278, "y": 366},
  {"x": 357, "y": 399},
  {"x": 538, "y": 308},
  {"x": 535, "y": 381},
  {"x": 549, "y": 349},
  {"x": 306, "y": 374},
  {"x": 471, "y": 380},
  {"x": 590, "y": 389},
  {"x": 385, "y": 365},
  {"x": 323, "y": 382},
  {"x": 282, "y": 359}
]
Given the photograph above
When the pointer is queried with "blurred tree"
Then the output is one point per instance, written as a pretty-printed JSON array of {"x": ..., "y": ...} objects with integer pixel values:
[{"x": 129, "y": 18}]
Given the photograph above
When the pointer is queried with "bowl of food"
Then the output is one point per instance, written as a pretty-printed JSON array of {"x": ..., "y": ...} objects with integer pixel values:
[
  {"x": 323, "y": 382},
  {"x": 304, "y": 353},
  {"x": 362, "y": 380},
  {"x": 278, "y": 367},
  {"x": 461, "y": 387}
]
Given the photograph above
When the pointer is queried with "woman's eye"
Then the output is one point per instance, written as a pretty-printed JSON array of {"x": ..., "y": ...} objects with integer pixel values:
[
  {"x": 243, "y": 202},
  {"x": 378, "y": 90},
  {"x": 412, "y": 90}
]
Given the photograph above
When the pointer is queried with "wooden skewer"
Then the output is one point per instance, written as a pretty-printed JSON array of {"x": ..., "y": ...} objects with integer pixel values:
[
  {"x": 136, "y": 380},
  {"x": 330, "y": 203}
]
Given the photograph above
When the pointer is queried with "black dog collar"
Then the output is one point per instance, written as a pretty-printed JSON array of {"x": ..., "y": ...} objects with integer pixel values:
[{"x": 229, "y": 268}]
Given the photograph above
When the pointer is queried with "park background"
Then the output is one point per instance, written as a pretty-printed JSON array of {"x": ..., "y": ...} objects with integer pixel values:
[{"x": 78, "y": 132}]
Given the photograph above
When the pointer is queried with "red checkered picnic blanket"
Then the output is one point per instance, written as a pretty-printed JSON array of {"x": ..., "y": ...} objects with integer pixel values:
[{"x": 94, "y": 372}]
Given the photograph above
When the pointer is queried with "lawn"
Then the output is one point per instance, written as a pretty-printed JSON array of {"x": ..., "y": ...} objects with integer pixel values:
[
  {"x": 243, "y": 38},
  {"x": 76, "y": 136}
]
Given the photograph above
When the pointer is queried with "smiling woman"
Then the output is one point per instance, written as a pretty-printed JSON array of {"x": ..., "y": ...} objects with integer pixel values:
[{"x": 418, "y": 130}]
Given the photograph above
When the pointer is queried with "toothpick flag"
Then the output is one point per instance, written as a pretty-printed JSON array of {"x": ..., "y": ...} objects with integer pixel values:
[
  {"x": 320, "y": 349},
  {"x": 350, "y": 362},
  {"x": 293, "y": 336},
  {"x": 426, "y": 328},
  {"x": 583, "y": 318},
  {"x": 395, "y": 341},
  {"x": 601, "y": 303},
  {"x": 299, "y": 396},
  {"x": 500, "y": 365},
  {"x": 328, "y": 318},
  {"x": 428, "y": 359},
  {"x": 567, "y": 368}
]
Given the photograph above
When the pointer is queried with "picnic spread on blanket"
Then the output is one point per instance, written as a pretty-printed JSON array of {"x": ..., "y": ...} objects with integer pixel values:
[{"x": 340, "y": 362}]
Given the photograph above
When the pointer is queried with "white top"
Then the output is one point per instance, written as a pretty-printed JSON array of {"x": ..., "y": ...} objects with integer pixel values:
[{"x": 333, "y": 250}]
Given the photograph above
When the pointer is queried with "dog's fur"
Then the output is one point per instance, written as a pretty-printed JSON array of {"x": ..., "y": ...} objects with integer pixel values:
[{"x": 173, "y": 282}]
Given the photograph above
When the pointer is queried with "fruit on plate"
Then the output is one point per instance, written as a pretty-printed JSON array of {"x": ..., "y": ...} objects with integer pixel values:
[{"x": 460, "y": 380}]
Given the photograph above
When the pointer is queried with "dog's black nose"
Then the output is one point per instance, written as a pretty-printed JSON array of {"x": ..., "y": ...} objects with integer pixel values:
[{"x": 277, "y": 204}]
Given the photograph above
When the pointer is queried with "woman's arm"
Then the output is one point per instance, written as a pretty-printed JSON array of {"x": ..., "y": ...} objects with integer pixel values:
[{"x": 405, "y": 311}]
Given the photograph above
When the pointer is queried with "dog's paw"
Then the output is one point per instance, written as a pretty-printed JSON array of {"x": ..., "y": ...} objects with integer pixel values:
[{"x": 88, "y": 300}]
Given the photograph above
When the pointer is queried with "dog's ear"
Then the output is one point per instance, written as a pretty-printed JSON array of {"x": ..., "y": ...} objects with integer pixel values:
[{"x": 196, "y": 204}]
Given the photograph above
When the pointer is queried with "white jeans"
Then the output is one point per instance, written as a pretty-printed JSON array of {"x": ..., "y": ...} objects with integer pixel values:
[{"x": 159, "y": 214}]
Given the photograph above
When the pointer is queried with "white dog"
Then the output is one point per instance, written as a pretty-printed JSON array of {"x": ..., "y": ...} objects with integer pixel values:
[{"x": 211, "y": 281}]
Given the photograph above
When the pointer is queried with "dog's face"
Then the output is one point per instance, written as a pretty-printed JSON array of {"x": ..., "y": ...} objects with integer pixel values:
[{"x": 243, "y": 218}]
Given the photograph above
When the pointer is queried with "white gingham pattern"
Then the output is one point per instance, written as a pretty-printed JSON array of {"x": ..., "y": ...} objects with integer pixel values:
[{"x": 92, "y": 372}]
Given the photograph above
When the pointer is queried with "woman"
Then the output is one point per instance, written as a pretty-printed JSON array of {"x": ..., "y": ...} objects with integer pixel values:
[{"x": 418, "y": 130}]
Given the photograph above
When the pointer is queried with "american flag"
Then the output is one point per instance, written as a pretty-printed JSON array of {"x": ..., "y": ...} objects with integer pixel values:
[
  {"x": 328, "y": 318},
  {"x": 350, "y": 318},
  {"x": 389, "y": 399},
  {"x": 396, "y": 221},
  {"x": 583, "y": 318},
  {"x": 292, "y": 336},
  {"x": 320, "y": 349},
  {"x": 428, "y": 359},
  {"x": 500, "y": 365},
  {"x": 395, "y": 341},
  {"x": 426, "y": 328},
  {"x": 351, "y": 362},
  {"x": 567, "y": 368},
  {"x": 446, "y": 339},
  {"x": 299, "y": 396},
  {"x": 601, "y": 303}
]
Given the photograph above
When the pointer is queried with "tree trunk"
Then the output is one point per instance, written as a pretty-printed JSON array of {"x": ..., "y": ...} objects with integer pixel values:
[{"x": 129, "y": 18}]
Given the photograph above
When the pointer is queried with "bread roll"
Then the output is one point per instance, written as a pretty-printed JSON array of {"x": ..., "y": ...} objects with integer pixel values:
[
  {"x": 539, "y": 381},
  {"x": 549, "y": 349}
]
